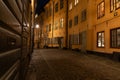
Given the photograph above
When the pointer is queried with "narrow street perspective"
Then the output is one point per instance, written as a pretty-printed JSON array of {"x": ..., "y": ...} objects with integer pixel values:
[{"x": 58, "y": 64}]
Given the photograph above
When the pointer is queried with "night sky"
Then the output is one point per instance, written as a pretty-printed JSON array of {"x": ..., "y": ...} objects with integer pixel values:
[{"x": 40, "y": 6}]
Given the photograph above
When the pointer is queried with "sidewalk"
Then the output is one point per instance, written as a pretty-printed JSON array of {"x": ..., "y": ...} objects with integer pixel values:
[{"x": 55, "y": 64}]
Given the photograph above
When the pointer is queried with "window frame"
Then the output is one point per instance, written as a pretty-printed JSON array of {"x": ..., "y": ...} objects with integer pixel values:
[
  {"x": 61, "y": 4},
  {"x": 61, "y": 22},
  {"x": 100, "y": 39},
  {"x": 56, "y": 7},
  {"x": 76, "y": 2},
  {"x": 84, "y": 15},
  {"x": 99, "y": 10},
  {"x": 76, "y": 20},
  {"x": 114, "y": 7},
  {"x": 115, "y": 38},
  {"x": 70, "y": 6}
]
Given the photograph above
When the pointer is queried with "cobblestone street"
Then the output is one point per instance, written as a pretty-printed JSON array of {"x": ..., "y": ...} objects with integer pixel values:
[{"x": 57, "y": 64}]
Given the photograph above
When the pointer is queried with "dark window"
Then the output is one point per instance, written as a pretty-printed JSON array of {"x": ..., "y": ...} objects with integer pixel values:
[
  {"x": 75, "y": 20},
  {"x": 114, "y": 4},
  {"x": 115, "y": 38},
  {"x": 83, "y": 15},
  {"x": 49, "y": 27},
  {"x": 101, "y": 10},
  {"x": 80, "y": 38},
  {"x": 100, "y": 39},
  {"x": 56, "y": 7},
  {"x": 70, "y": 23},
  {"x": 61, "y": 4}
]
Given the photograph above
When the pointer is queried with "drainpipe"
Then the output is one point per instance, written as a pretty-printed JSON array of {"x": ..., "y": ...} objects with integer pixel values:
[
  {"x": 52, "y": 21},
  {"x": 33, "y": 19},
  {"x": 66, "y": 42}
]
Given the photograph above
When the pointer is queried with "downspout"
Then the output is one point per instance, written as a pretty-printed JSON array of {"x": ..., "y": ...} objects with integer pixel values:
[
  {"x": 66, "y": 42},
  {"x": 52, "y": 21}
]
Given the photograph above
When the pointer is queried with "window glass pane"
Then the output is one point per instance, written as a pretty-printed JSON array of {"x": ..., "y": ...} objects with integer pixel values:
[
  {"x": 61, "y": 22},
  {"x": 117, "y": 3},
  {"x": 101, "y": 9},
  {"x": 70, "y": 6},
  {"x": 113, "y": 38},
  {"x": 111, "y": 5},
  {"x": 118, "y": 37},
  {"x": 61, "y": 4},
  {"x": 70, "y": 23},
  {"x": 100, "y": 38}
]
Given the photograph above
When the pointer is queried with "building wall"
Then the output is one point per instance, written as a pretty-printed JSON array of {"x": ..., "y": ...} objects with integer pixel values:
[
  {"x": 54, "y": 20},
  {"x": 84, "y": 35}
]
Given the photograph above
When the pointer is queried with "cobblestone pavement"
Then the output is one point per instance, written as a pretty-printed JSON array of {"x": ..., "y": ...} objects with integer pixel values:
[{"x": 56, "y": 64}]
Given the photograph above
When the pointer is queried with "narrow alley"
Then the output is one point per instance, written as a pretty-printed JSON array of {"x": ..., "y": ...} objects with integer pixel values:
[{"x": 57, "y": 64}]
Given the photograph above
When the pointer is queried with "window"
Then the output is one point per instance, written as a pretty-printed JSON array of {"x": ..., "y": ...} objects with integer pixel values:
[
  {"x": 70, "y": 6},
  {"x": 61, "y": 22},
  {"x": 114, "y": 4},
  {"x": 100, "y": 39},
  {"x": 56, "y": 25},
  {"x": 56, "y": 7},
  {"x": 49, "y": 27},
  {"x": 83, "y": 15},
  {"x": 61, "y": 4},
  {"x": 101, "y": 10},
  {"x": 70, "y": 23},
  {"x": 75, "y": 20},
  {"x": 76, "y": 2},
  {"x": 115, "y": 38},
  {"x": 55, "y": 40}
]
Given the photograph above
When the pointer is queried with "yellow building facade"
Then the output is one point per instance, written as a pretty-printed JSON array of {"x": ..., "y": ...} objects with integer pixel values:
[{"x": 86, "y": 25}]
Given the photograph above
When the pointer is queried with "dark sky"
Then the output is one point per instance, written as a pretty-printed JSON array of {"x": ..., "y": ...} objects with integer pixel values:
[{"x": 40, "y": 6}]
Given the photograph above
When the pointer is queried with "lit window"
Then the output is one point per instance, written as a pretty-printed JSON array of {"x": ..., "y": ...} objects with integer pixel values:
[
  {"x": 56, "y": 25},
  {"x": 76, "y": 2},
  {"x": 101, "y": 9},
  {"x": 61, "y": 22},
  {"x": 70, "y": 6},
  {"x": 115, "y": 38},
  {"x": 100, "y": 39},
  {"x": 114, "y": 4}
]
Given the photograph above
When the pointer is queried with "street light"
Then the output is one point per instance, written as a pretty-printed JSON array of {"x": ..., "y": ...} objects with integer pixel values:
[{"x": 37, "y": 26}]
